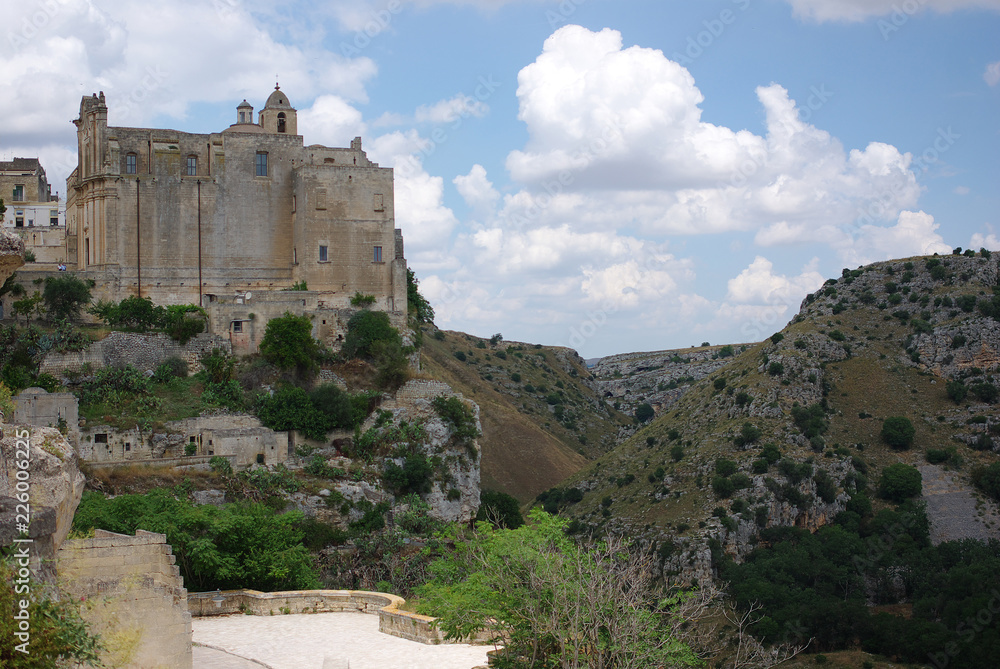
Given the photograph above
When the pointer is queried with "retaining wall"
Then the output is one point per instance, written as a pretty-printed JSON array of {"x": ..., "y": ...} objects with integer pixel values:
[{"x": 392, "y": 620}]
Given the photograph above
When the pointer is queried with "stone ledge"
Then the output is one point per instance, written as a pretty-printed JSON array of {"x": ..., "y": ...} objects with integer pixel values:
[{"x": 392, "y": 620}]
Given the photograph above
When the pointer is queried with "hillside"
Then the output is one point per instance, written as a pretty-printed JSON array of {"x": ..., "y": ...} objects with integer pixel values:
[
  {"x": 790, "y": 429},
  {"x": 542, "y": 413}
]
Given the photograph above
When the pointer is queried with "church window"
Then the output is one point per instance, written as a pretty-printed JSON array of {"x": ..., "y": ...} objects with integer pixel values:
[
  {"x": 323, "y": 255},
  {"x": 261, "y": 164},
  {"x": 377, "y": 254},
  {"x": 281, "y": 121},
  {"x": 18, "y": 193},
  {"x": 192, "y": 165},
  {"x": 131, "y": 163}
]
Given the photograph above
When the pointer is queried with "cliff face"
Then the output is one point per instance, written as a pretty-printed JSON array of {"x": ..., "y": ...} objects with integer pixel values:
[
  {"x": 11, "y": 254},
  {"x": 53, "y": 488},
  {"x": 787, "y": 431}
]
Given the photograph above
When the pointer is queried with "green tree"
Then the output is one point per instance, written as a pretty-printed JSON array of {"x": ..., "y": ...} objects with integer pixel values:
[
  {"x": 552, "y": 602},
  {"x": 290, "y": 408},
  {"x": 26, "y": 305},
  {"x": 644, "y": 412},
  {"x": 500, "y": 509},
  {"x": 898, "y": 432},
  {"x": 65, "y": 295},
  {"x": 335, "y": 404},
  {"x": 288, "y": 343},
  {"x": 899, "y": 481},
  {"x": 419, "y": 307},
  {"x": 364, "y": 330}
]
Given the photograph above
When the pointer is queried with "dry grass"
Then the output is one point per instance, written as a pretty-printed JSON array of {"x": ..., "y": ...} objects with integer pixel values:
[{"x": 140, "y": 479}]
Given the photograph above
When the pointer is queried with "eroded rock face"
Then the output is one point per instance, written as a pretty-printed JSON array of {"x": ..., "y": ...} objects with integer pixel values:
[
  {"x": 54, "y": 487},
  {"x": 11, "y": 254}
]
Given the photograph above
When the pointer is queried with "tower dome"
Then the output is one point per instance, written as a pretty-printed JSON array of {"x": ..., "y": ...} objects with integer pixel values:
[{"x": 278, "y": 115}]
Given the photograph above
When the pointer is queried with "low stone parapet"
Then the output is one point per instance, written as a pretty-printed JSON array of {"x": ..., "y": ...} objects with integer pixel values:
[{"x": 392, "y": 620}]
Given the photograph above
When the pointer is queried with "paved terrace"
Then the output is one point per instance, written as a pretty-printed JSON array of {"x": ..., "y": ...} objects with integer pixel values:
[{"x": 318, "y": 641}]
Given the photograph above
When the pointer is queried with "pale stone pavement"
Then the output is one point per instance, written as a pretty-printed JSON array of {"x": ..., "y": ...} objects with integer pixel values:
[
  {"x": 951, "y": 508},
  {"x": 319, "y": 641}
]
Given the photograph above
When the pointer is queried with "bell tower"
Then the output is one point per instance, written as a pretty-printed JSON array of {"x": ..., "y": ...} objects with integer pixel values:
[{"x": 278, "y": 116}]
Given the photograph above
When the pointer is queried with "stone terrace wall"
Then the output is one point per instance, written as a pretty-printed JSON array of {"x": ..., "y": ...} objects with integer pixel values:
[
  {"x": 138, "y": 603},
  {"x": 392, "y": 620},
  {"x": 143, "y": 351}
]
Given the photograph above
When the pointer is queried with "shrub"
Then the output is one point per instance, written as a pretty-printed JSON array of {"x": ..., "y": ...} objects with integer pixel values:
[
  {"x": 290, "y": 408},
  {"x": 987, "y": 479},
  {"x": 777, "y": 337},
  {"x": 460, "y": 356},
  {"x": 417, "y": 305},
  {"x": 985, "y": 392},
  {"x": 457, "y": 416},
  {"x": 361, "y": 300},
  {"x": 719, "y": 383},
  {"x": 775, "y": 369},
  {"x": 170, "y": 368},
  {"x": 899, "y": 482},
  {"x": 724, "y": 467},
  {"x": 335, "y": 404},
  {"x": 722, "y": 487},
  {"x": 957, "y": 391},
  {"x": 810, "y": 420},
  {"x": 644, "y": 412},
  {"x": 677, "y": 453},
  {"x": 726, "y": 351},
  {"x": 413, "y": 477},
  {"x": 898, "y": 432},
  {"x": 64, "y": 296},
  {"x": 288, "y": 344},
  {"x": 748, "y": 435},
  {"x": 936, "y": 456}
]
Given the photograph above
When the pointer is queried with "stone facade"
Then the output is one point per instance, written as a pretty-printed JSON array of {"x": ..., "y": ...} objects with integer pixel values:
[
  {"x": 178, "y": 217},
  {"x": 135, "y": 597},
  {"x": 38, "y": 407},
  {"x": 241, "y": 438}
]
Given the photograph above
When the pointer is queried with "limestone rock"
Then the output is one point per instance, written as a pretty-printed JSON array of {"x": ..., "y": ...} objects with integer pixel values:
[
  {"x": 55, "y": 486},
  {"x": 11, "y": 254}
]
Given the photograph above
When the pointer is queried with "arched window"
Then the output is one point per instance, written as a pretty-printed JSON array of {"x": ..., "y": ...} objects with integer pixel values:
[{"x": 281, "y": 121}]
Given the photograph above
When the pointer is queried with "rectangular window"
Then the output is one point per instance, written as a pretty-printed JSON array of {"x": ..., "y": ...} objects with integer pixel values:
[
  {"x": 18, "y": 193},
  {"x": 19, "y": 221},
  {"x": 128, "y": 446},
  {"x": 377, "y": 254},
  {"x": 192, "y": 166},
  {"x": 101, "y": 438},
  {"x": 131, "y": 163},
  {"x": 53, "y": 217},
  {"x": 261, "y": 164},
  {"x": 237, "y": 327},
  {"x": 323, "y": 256},
  {"x": 379, "y": 202}
]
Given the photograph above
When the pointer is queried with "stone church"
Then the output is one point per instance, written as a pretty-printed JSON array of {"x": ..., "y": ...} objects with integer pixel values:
[{"x": 233, "y": 220}]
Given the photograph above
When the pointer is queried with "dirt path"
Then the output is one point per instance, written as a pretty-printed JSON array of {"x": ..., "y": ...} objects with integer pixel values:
[{"x": 953, "y": 508}]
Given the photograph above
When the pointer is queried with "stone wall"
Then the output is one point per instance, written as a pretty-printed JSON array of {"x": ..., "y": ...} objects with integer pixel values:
[
  {"x": 38, "y": 407},
  {"x": 135, "y": 597},
  {"x": 142, "y": 351},
  {"x": 241, "y": 438},
  {"x": 392, "y": 620}
]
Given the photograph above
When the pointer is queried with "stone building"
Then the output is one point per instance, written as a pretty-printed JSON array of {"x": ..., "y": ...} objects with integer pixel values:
[
  {"x": 33, "y": 212},
  {"x": 219, "y": 219}
]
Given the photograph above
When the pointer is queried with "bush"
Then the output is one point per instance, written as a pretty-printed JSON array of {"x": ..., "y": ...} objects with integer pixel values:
[
  {"x": 987, "y": 479},
  {"x": 413, "y": 477},
  {"x": 957, "y": 391},
  {"x": 644, "y": 412},
  {"x": 775, "y": 369},
  {"x": 722, "y": 487},
  {"x": 724, "y": 467},
  {"x": 365, "y": 329},
  {"x": 335, "y": 404},
  {"x": 898, "y": 432},
  {"x": 677, "y": 453},
  {"x": 500, "y": 509},
  {"x": 457, "y": 416},
  {"x": 64, "y": 296},
  {"x": 170, "y": 368},
  {"x": 937, "y": 456},
  {"x": 749, "y": 434},
  {"x": 985, "y": 392},
  {"x": 899, "y": 482},
  {"x": 288, "y": 343},
  {"x": 290, "y": 408},
  {"x": 361, "y": 300}
]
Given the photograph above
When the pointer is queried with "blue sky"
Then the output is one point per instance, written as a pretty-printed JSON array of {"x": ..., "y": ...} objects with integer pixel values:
[{"x": 608, "y": 175}]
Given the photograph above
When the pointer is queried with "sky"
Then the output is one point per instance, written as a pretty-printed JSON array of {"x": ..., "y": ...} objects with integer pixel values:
[{"x": 609, "y": 175}]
